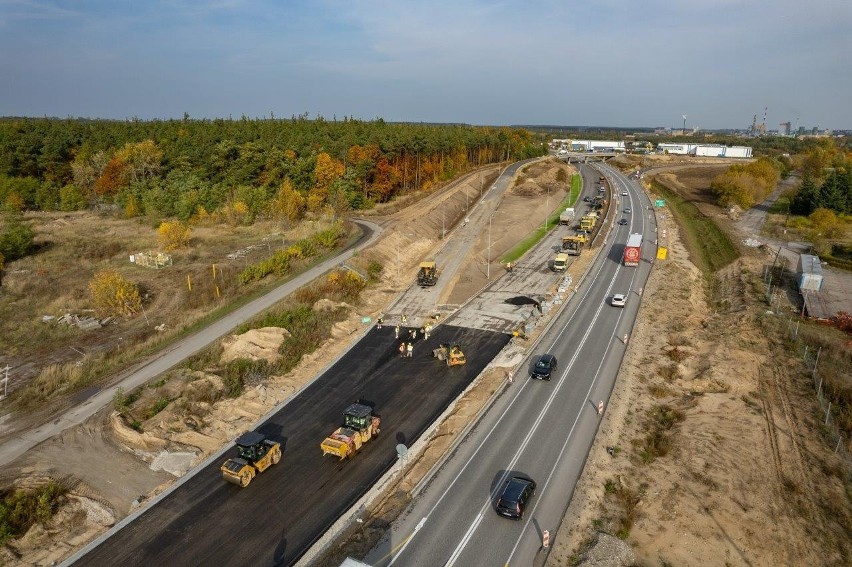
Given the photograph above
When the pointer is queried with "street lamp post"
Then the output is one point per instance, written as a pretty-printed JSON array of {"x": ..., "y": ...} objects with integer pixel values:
[
  {"x": 488, "y": 260},
  {"x": 546, "y": 209}
]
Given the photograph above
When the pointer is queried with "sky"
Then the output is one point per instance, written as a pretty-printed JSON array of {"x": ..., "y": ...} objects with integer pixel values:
[{"x": 501, "y": 62}]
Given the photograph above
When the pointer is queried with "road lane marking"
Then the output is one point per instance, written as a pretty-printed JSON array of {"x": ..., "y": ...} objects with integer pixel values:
[
  {"x": 454, "y": 557},
  {"x": 405, "y": 543}
]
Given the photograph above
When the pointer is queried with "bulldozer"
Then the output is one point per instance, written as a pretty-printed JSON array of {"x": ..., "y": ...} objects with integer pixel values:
[
  {"x": 428, "y": 274},
  {"x": 453, "y": 355},
  {"x": 359, "y": 426},
  {"x": 573, "y": 244},
  {"x": 256, "y": 453}
]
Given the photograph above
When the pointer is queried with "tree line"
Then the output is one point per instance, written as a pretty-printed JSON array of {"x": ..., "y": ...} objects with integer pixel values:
[{"x": 237, "y": 170}]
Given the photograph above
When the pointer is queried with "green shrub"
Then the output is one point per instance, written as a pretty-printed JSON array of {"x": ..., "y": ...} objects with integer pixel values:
[
  {"x": 16, "y": 239},
  {"x": 21, "y": 509},
  {"x": 159, "y": 405},
  {"x": 374, "y": 271},
  {"x": 241, "y": 371}
]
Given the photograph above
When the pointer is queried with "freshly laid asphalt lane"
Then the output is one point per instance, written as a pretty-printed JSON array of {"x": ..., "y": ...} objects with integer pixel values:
[{"x": 207, "y": 521}]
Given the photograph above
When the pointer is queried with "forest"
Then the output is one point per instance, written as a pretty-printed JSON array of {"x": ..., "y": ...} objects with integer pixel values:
[{"x": 236, "y": 170}]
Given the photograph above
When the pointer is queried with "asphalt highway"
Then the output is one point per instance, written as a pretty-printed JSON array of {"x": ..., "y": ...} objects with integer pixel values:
[
  {"x": 541, "y": 430},
  {"x": 207, "y": 521}
]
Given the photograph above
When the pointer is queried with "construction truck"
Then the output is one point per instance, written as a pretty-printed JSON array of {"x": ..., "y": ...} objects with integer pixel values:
[
  {"x": 428, "y": 274},
  {"x": 359, "y": 426},
  {"x": 573, "y": 245},
  {"x": 560, "y": 262},
  {"x": 567, "y": 216},
  {"x": 587, "y": 223},
  {"x": 452, "y": 355},
  {"x": 256, "y": 453}
]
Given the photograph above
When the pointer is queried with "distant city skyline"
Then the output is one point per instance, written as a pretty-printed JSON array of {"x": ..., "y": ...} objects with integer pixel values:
[{"x": 546, "y": 62}]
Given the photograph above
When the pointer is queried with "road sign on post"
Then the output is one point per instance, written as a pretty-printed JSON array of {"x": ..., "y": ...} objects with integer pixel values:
[{"x": 659, "y": 203}]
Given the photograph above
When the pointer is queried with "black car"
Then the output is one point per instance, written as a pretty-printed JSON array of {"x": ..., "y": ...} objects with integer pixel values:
[
  {"x": 516, "y": 494},
  {"x": 622, "y": 222},
  {"x": 543, "y": 367}
]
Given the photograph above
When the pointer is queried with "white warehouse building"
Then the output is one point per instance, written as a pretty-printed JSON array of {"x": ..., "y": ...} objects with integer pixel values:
[
  {"x": 596, "y": 146},
  {"x": 715, "y": 150},
  {"x": 679, "y": 149},
  {"x": 705, "y": 150}
]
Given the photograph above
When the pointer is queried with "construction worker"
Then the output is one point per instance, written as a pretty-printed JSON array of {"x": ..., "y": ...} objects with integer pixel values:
[
  {"x": 404, "y": 319},
  {"x": 379, "y": 322},
  {"x": 509, "y": 267},
  {"x": 402, "y": 348},
  {"x": 396, "y": 332},
  {"x": 410, "y": 349}
]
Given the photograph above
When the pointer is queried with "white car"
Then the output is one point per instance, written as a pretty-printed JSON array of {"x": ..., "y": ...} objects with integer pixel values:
[
  {"x": 618, "y": 300},
  {"x": 624, "y": 193}
]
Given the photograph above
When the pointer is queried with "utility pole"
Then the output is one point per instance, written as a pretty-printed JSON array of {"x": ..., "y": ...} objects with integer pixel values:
[
  {"x": 547, "y": 209},
  {"x": 488, "y": 260}
]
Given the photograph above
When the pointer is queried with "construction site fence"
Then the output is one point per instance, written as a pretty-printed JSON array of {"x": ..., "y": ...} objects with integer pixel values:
[{"x": 838, "y": 440}]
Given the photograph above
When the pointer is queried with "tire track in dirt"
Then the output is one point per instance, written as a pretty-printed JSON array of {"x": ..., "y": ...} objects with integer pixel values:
[
  {"x": 785, "y": 442},
  {"x": 798, "y": 468},
  {"x": 769, "y": 421}
]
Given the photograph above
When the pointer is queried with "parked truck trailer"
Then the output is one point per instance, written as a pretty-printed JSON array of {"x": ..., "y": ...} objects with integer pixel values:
[{"x": 633, "y": 250}]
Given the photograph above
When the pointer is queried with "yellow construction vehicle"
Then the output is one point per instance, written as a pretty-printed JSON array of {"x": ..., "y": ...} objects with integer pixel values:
[
  {"x": 256, "y": 453},
  {"x": 452, "y": 355},
  {"x": 573, "y": 245},
  {"x": 359, "y": 426},
  {"x": 428, "y": 274}
]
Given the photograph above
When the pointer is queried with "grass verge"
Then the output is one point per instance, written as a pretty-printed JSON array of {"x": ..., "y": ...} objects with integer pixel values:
[
  {"x": 709, "y": 248},
  {"x": 552, "y": 221}
]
